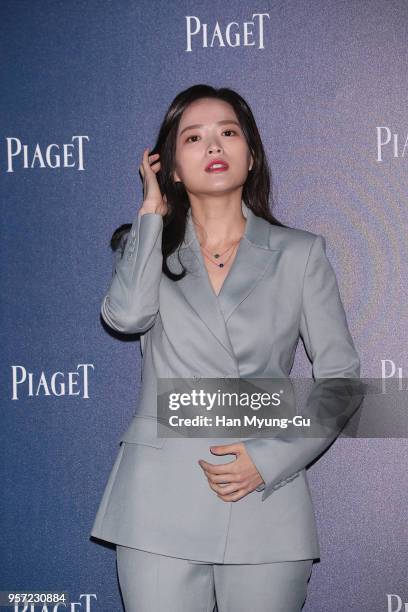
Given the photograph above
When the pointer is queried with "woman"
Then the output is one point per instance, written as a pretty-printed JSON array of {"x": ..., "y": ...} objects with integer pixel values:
[{"x": 217, "y": 288}]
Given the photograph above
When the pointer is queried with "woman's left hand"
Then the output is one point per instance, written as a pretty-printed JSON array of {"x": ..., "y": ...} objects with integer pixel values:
[{"x": 232, "y": 481}]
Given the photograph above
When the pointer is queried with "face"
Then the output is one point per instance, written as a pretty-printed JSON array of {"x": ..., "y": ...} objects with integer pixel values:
[{"x": 209, "y": 130}]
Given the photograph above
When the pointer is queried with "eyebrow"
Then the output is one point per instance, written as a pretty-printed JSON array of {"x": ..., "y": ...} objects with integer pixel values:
[{"x": 198, "y": 125}]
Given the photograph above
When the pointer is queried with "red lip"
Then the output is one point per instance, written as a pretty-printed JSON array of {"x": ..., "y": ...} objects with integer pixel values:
[{"x": 217, "y": 161}]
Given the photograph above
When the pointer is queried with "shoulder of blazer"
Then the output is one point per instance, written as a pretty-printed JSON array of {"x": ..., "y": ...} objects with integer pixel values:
[{"x": 292, "y": 238}]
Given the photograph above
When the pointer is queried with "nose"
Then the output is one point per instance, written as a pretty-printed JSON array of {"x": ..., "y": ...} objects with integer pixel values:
[{"x": 215, "y": 148}]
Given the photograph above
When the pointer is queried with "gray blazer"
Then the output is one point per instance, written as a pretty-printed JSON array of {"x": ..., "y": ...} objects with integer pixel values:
[{"x": 280, "y": 287}]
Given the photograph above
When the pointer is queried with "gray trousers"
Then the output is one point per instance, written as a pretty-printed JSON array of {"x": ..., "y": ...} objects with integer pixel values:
[{"x": 158, "y": 583}]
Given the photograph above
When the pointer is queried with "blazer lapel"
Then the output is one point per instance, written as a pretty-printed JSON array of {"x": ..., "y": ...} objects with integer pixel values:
[
  {"x": 252, "y": 259},
  {"x": 198, "y": 292}
]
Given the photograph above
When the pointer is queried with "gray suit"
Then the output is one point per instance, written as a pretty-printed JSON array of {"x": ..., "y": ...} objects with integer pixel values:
[{"x": 281, "y": 286}]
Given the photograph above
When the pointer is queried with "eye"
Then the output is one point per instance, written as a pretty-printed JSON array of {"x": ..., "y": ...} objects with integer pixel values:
[{"x": 194, "y": 136}]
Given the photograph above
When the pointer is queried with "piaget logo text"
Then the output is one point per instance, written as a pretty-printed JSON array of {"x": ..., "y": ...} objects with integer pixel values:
[
  {"x": 34, "y": 384},
  {"x": 233, "y": 34},
  {"x": 391, "y": 144},
  {"x": 22, "y": 156}
]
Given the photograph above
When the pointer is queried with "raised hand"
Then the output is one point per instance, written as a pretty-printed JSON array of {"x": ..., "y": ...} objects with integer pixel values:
[{"x": 153, "y": 200}]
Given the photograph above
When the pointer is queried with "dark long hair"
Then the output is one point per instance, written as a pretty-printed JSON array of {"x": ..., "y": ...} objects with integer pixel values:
[{"x": 256, "y": 190}]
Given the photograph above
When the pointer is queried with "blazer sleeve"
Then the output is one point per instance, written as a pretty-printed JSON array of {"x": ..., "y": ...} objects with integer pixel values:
[
  {"x": 329, "y": 346},
  {"x": 131, "y": 303}
]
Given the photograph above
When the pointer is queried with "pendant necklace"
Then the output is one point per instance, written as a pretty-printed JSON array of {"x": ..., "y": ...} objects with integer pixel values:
[{"x": 218, "y": 255}]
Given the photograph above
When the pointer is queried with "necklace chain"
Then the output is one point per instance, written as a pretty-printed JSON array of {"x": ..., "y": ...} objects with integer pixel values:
[{"x": 217, "y": 255}]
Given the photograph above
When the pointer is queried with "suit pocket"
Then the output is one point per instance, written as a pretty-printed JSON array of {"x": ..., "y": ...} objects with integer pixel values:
[{"x": 143, "y": 430}]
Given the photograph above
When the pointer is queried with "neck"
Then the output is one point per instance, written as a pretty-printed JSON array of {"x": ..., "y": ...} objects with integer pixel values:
[{"x": 216, "y": 225}]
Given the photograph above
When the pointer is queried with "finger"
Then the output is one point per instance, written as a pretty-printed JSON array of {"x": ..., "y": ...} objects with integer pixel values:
[
  {"x": 230, "y": 492},
  {"x": 217, "y": 468},
  {"x": 227, "y": 448},
  {"x": 145, "y": 159},
  {"x": 150, "y": 156},
  {"x": 144, "y": 162},
  {"x": 232, "y": 497},
  {"x": 145, "y": 166},
  {"x": 222, "y": 476},
  {"x": 156, "y": 167},
  {"x": 154, "y": 160},
  {"x": 229, "y": 489},
  {"x": 227, "y": 479}
]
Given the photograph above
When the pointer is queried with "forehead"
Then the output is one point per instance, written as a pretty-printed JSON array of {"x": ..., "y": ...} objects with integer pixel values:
[{"x": 206, "y": 111}]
